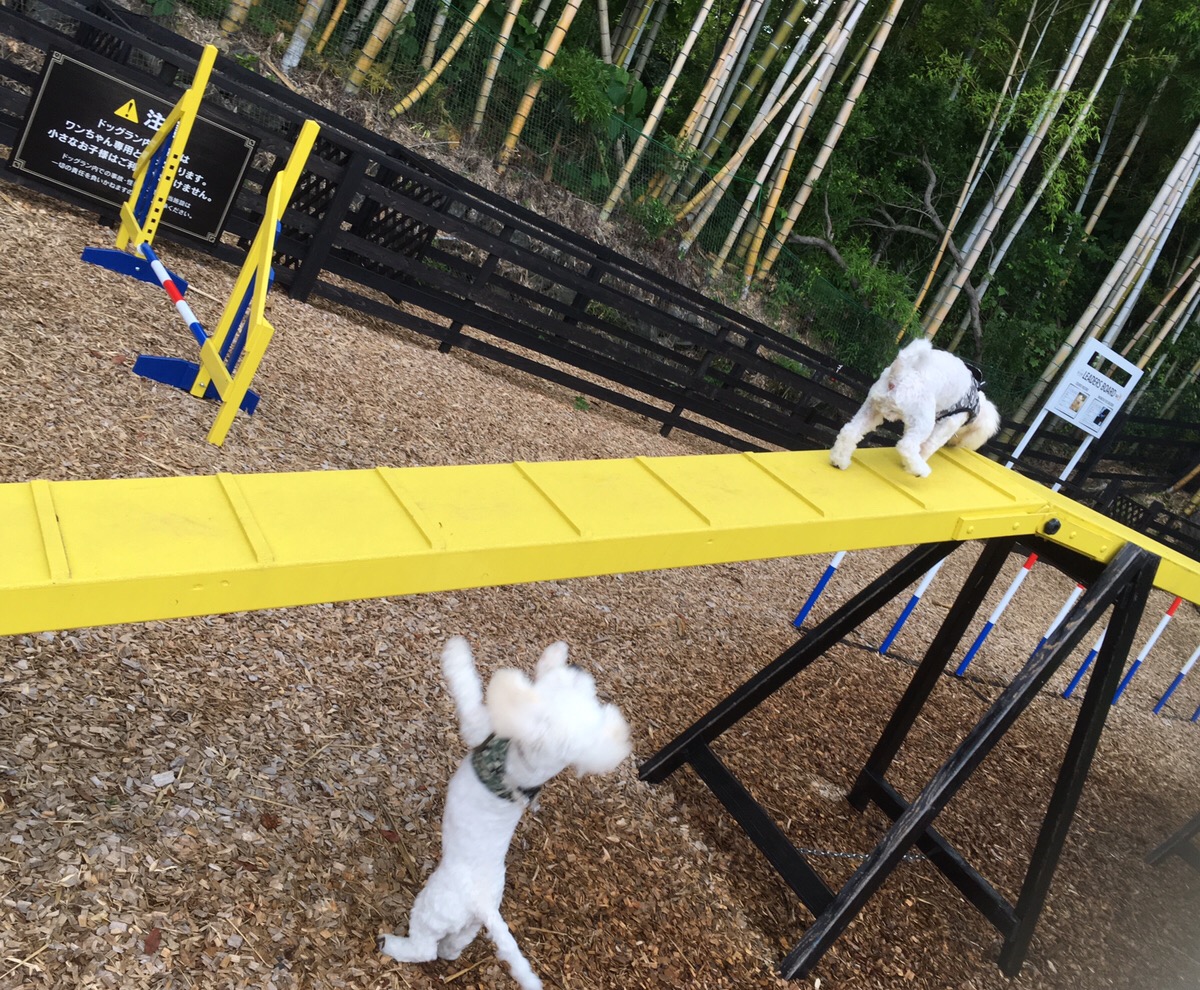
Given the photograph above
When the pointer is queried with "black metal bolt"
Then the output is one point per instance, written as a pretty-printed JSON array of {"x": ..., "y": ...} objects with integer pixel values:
[{"x": 1052, "y": 526}]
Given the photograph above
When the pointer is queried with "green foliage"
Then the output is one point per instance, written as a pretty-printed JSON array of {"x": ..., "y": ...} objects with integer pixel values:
[
  {"x": 655, "y": 216},
  {"x": 581, "y": 404},
  {"x": 602, "y": 97}
]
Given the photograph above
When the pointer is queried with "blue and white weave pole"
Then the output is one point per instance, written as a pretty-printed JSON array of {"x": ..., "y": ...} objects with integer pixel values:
[
  {"x": 1062, "y": 614},
  {"x": 1145, "y": 650},
  {"x": 1087, "y": 662},
  {"x": 830, "y": 571},
  {"x": 1183, "y": 672},
  {"x": 998, "y": 611},
  {"x": 912, "y": 604}
]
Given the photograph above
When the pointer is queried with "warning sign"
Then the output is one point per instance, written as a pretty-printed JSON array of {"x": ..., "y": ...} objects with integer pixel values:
[
  {"x": 85, "y": 129},
  {"x": 129, "y": 112}
]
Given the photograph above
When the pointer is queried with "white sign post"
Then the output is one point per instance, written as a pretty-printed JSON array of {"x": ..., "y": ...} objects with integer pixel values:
[{"x": 1085, "y": 397}]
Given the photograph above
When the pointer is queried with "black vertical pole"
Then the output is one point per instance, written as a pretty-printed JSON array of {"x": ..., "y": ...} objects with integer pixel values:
[{"x": 980, "y": 581}]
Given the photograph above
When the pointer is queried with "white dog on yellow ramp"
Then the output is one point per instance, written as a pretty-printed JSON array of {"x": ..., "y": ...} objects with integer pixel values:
[
  {"x": 525, "y": 734},
  {"x": 937, "y": 398}
]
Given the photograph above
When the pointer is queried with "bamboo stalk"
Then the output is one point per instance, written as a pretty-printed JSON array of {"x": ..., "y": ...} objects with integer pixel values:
[
  {"x": 849, "y": 12},
  {"x": 235, "y": 15},
  {"x": 304, "y": 30},
  {"x": 493, "y": 66},
  {"x": 1020, "y": 164},
  {"x": 334, "y": 19},
  {"x": 835, "y": 132},
  {"x": 392, "y": 13},
  {"x": 436, "y": 71},
  {"x": 1090, "y": 321},
  {"x": 656, "y": 112},
  {"x": 553, "y": 43},
  {"x": 976, "y": 164}
]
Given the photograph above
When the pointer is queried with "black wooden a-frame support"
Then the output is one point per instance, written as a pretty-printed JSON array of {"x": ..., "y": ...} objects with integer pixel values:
[
  {"x": 1124, "y": 583},
  {"x": 1179, "y": 844}
]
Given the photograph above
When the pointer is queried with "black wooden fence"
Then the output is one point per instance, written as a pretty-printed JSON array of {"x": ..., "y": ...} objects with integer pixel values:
[{"x": 389, "y": 233}]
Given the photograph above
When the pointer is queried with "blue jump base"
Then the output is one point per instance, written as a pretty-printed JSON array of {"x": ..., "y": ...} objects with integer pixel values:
[{"x": 181, "y": 374}]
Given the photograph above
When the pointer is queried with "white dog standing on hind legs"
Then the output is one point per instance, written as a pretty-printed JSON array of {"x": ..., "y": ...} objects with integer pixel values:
[
  {"x": 523, "y": 735},
  {"x": 937, "y": 398}
]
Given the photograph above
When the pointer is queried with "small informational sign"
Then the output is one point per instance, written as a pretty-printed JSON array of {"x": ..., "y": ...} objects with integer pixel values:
[
  {"x": 85, "y": 129},
  {"x": 1089, "y": 397},
  {"x": 1090, "y": 392}
]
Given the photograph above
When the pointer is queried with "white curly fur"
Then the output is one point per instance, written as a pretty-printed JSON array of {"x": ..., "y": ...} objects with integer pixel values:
[
  {"x": 553, "y": 722},
  {"x": 921, "y": 382}
]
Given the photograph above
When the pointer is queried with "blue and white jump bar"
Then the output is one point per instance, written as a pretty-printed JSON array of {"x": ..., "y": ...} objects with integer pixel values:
[
  {"x": 913, "y": 602},
  {"x": 1183, "y": 672},
  {"x": 830, "y": 571},
  {"x": 173, "y": 293},
  {"x": 1062, "y": 614},
  {"x": 998, "y": 611},
  {"x": 1158, "y": 631},
  {"x": 1087, "y": 663}
]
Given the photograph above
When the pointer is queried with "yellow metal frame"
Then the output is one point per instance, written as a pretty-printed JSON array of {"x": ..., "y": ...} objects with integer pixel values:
[
  {"x": 256, "y": 268},
  {"x": 177, "y": 128},
  {"x": 85, "y": 553}
]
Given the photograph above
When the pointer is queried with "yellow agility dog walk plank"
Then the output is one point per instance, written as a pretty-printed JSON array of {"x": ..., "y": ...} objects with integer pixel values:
[{"x": 82, "y": 553}]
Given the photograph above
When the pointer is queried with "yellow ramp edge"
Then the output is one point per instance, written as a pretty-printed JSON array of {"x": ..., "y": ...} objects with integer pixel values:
[{"x": 84, "y": 553}]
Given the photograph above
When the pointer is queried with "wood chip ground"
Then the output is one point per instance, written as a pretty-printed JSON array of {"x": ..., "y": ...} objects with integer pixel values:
[{"x": 247, "y": 800}]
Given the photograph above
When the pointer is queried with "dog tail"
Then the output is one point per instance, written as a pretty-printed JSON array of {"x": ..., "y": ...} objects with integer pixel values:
[
  {"x": 981, "y": 428},
  {"x": 509, "y": 952}
]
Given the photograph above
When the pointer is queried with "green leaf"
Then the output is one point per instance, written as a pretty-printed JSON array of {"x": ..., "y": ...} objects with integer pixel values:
[{"x": 637, "y": 101}]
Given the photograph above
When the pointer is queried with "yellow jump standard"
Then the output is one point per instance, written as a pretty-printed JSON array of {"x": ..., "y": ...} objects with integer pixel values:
[{"x": 81, "y": 553}]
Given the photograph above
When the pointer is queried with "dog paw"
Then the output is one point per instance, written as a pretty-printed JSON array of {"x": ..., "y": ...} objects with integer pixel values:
[
  {"x": 918, "y": 468},
  {"x": 840, "y": 459}
]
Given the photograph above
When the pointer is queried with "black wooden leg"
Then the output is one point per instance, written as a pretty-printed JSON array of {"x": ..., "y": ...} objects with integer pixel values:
[
  {"x": 1179, "y": 844},
  {"x": 1126, "y": 569},
  {"x": 936, "y": 657},
  {"x": 793, "y": 660},
  {"x": 1127, "y": 610}
]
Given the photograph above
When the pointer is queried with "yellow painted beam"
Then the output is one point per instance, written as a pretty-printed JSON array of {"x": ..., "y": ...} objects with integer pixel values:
[{"x": 83, "y": 553}]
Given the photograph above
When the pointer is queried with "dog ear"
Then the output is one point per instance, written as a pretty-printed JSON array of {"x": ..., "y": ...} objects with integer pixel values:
[
  {"x": 554, "y": 656},
  {"x": 509, "y": 694}
]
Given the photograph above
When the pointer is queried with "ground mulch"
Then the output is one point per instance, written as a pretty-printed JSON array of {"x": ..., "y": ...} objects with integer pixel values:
[{"x": 247, "y": 800}]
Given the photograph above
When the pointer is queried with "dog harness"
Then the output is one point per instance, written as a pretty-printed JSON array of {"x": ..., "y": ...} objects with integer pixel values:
[
  {"x": 489, "y": 759},
  {"x": 969, "y": 403}
]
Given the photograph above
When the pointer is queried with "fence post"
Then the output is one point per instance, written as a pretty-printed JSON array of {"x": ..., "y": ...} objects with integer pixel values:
[{"x": 326, "y": 233}]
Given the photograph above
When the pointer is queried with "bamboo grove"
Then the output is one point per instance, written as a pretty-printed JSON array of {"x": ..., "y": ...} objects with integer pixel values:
[{"x": 1010, "y": 176}]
